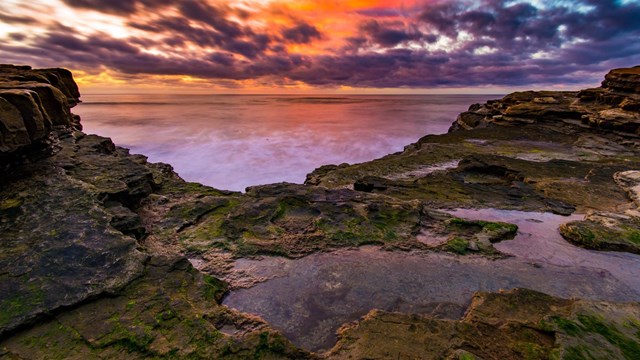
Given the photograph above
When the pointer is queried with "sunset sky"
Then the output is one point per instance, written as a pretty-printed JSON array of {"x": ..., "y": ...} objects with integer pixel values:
[{"x": 308, "y": 46}]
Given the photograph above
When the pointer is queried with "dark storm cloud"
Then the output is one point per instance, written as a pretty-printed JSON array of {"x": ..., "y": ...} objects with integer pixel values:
[
  {"x": 232, "y": 38},
  {"x": 119, "y": 7},
  {"x": 302, "y": 33},
  {"x": 494, "y": 42},
  {"x": 390, "y": 34},
  {"x": 212, "y": 16},
  {"x": 102, "y": 51}
]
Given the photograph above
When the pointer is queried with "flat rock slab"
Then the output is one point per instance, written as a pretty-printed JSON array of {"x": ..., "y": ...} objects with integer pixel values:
[{"x": 57, "y": 248}]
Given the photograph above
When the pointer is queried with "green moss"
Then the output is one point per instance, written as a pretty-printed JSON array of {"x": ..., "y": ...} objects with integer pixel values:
[
  {"x": 20, "y": 304},
  {"x": 390, "y": 235},
  {"x": 457, "y": 245},
  {"x": 345, "y": 236},
  {"x": 630, "y": 347},
  {"x": 634, "y": 236},
  {"x": 585, "y": 324},
  {"x": 530, "y": 351},
  {"x": 269, "y": 344},
  {"x": 214, "y": 288},
  {"x": 576, "y": 353},
  {"x": 481, "y": 225},
  {"x": 191, "y": 187},
  {"x": 129, "y": 337},
  {"x": 280, "y": 211},
  {"x": 499, "y": 226},
  {"x": 466, "y": 356},
  {"x": 7, "y": 204},
  {"x": 567, "y": 326},
  {"x": 593, "y": 235}
]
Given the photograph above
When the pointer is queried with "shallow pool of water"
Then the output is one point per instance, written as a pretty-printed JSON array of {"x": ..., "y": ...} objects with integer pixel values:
[
  {"x": 538, "y": 240},
  {"x": 308, "y": 299}
]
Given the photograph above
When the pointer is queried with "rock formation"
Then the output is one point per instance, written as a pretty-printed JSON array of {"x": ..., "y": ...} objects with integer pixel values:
[
  {"x": 33, "y": 102},
  {"x": 93, "y": 239}
]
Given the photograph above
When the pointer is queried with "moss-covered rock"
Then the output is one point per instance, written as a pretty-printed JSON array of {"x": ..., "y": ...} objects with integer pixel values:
[
  {"x": 605, "y": 231},
  {"x": 517, "y": 324},
  {"x": 172, "y": 311}
]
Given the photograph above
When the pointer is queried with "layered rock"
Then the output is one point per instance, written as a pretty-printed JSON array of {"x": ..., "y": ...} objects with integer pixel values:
[
  {"x": 613, "y": 106},
  {"x": 32, "y": 102},
  {"x": 518, "y": 324},
  {"x": 625, "y": 80}
]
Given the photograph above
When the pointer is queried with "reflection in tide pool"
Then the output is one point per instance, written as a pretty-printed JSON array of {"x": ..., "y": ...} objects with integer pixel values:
[
  {"x": 234, "y": 141},
  {"x": 539, "y": 240},
  {"x": 310, "y": 298}
]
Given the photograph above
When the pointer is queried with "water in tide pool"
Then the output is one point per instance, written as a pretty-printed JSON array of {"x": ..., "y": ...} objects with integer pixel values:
[{"x": 234, "y": 141}]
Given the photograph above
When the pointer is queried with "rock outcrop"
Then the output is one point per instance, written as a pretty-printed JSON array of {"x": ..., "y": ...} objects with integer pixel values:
[
  {"x": 72, "y": 252},
  {"x": 624, "y": 80},
  {"x": 613, "y": 106},
  {"x": 535, "y": 326},
  {"x": 32, "y": 103}
]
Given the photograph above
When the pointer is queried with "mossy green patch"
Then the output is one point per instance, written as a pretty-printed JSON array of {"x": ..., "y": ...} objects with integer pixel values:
[
  {"x": 466, "y": 356},
  {"x": 487, "y": 226},
  {"x": 567, "y": 326},
  {"x": 634, "y": 236},
  {"x": 630, "y": 347},
  {"x": 458, "y": 245},
  {"x": 588, "y": 325},
  {"x": 7, "y": 204},
  {"x": 530, "y": 351},
  {"x": 619, "y": 235},
  {"x": 214, "y": 288}
]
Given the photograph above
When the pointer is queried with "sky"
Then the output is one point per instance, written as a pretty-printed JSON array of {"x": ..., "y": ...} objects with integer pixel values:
[{"x": 327, "y": 46}]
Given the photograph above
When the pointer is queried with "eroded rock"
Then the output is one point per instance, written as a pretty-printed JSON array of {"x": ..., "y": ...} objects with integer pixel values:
[
  {"x": 41, "y": 97},
  {"x": 517, "y": 324},
  {"x": 170, "y": 312}
]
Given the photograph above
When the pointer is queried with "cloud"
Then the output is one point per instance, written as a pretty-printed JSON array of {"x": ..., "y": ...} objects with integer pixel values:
[
  {"x": 16, "y": 19},
  {"x": 301, "y": 33},
  {"x": 390, "y": 34},
  {"x": 441, "y": 43},
  {"x": 212, "y": 16},
  {"x": 119, "y": 7}
]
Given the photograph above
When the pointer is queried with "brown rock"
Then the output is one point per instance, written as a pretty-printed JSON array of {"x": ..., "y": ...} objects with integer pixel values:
[
  {"x": 625, "y": 80},
  {"x": 27, "y": 102},
  {"x": 13, "y": 132}
]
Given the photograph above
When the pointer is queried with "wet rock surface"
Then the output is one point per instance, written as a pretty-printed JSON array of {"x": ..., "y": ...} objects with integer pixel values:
[
  {"x": 310, "y": 298},
  {"x": 93, "y": 240},
  {"x": 535, "y": 326}
]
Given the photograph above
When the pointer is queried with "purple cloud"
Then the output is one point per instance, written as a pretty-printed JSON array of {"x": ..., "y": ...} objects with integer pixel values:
[{"x": 447, "y": 43}]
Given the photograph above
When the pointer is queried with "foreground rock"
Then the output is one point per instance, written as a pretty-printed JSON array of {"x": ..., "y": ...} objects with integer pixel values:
[
  {"x": 75, "y": 278},
  {"x": 93, "y": 239},
  {"x": 519, "y": 324},
  {"x": 169, "y": 312}
]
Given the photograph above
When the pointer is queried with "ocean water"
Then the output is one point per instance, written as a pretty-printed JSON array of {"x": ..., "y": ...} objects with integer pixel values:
[{"x": 234, "y": 141}]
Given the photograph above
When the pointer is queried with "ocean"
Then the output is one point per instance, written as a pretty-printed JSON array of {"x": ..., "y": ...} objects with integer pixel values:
[{"x": 234, "y": 141}]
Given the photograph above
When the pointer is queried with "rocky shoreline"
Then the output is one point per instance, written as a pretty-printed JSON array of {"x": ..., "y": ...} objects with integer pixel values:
[{"x": 95, "y": 241}]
